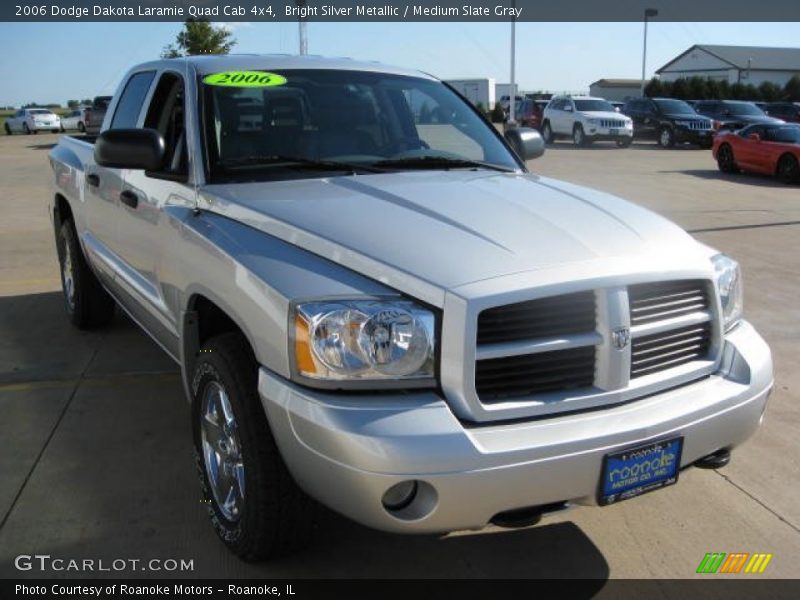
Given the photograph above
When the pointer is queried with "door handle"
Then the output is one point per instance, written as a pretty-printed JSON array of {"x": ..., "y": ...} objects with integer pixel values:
[
  {"x": 129, "y": 198},
  {"x": 93, "y": 179}
]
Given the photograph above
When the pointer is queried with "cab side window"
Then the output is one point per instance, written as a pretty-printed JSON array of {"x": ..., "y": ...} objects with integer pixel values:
[
  {"x": 166, "y": 115},
  {"x": 130, "y": 102}
]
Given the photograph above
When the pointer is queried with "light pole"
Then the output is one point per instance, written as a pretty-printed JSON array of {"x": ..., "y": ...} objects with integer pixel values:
[
  {"x": 648, "y": 12},
  {"x": 512, "y": 95},
  {"x": 301, "y": 25}
]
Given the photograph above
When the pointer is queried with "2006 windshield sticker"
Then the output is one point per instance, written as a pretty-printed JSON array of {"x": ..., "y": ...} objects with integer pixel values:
[{"x": 245, "y": 79}]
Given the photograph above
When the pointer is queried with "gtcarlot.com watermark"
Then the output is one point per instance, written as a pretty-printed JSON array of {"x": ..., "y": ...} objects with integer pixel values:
[{"x": 47, "y": 563}]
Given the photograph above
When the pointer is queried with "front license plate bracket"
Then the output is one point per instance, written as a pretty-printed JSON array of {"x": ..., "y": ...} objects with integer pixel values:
[{"x": 635, "y": 471}]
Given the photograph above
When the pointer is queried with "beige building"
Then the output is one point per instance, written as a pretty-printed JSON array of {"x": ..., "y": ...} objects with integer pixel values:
[{"x": 616, "y": 89}]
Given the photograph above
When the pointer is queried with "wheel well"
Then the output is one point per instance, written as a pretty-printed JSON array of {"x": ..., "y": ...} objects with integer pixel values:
[
  {"x": 780, "y": 159},
  {"x": 203, "y": 320},
  {"x": 211, "y": 320},
  {"x": 61, "y": 210}
]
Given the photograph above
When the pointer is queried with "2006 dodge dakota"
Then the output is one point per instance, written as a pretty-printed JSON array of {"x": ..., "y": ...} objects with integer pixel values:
[{"x": 374, "y": 304}]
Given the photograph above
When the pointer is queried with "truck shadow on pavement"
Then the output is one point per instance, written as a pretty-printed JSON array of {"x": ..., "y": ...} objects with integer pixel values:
[
  {"x": 99, "y": 433},
  {"x": 42, "y": 146}
]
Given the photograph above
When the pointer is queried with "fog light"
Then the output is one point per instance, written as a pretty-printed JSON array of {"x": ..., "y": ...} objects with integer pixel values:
[{"x": 400, "y": 495}]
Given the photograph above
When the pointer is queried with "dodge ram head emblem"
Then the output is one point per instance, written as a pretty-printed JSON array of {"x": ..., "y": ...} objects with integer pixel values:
[{"x": 620, "y": 337}]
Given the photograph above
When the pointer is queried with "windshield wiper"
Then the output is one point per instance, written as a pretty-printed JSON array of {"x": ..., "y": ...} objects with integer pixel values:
[
  {"x": 294, "y": 162},
  {"x": 439, "y": 162}
]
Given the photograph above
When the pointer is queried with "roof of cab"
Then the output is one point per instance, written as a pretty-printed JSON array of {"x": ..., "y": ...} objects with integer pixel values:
[{"x": 206, "y": 64}]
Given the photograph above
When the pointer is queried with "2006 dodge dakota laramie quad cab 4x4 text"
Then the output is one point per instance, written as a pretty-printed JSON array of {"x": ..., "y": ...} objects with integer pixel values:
[{"x": 375, "y": 305}]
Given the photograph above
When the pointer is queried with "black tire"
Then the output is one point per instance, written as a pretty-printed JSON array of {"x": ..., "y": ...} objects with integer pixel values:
[
  {"x": 7, "y": 128},
  {"x": 274, "y": 516},
  {"x": 26, "y": 129},
  {"x": 666, "y": 138},
  {"x": 579, "y": 136},
  {"x": 88, "y": 305},
  {"x": 62, "y": 129},
  {"x": 625, "y": 143},
  {"x": 547, "y": 133},
  {"x": 725, "y": 159},
  {"x": 81, "y": 127},
  {"x": 788, "y": 170}
]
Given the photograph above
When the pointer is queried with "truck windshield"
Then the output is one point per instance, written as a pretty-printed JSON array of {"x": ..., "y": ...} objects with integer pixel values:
[{"x": 338, "y": 120}]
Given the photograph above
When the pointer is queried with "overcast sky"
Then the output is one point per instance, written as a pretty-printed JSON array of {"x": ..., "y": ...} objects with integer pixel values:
[{"x": 54, "y": 62}]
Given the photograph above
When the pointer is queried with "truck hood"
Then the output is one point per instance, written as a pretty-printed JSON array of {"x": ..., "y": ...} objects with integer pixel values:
[
  {"x": 603, "y": 114},
  {"x": 424, "y": 232}
]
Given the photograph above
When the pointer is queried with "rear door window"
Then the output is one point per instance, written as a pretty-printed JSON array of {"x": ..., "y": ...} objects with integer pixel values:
[{"x": 130, "y": 102}]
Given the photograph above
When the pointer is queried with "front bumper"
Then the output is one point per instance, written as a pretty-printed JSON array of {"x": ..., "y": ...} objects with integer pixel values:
[
  {"x": 694, "y": 136},
  {"x": 347, "y": 450},
  {"x": 602, "y": 134}
]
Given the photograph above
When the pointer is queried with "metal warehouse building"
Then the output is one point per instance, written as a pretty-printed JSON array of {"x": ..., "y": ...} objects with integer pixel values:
[{"x": 734, "y": 64}]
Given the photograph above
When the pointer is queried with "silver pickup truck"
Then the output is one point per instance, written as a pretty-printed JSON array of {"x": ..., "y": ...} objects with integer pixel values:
[{"x": 376, "y": 306}]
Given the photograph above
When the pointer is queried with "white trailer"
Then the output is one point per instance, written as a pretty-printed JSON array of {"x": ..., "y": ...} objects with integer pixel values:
[{"x": 477, "y": 91}]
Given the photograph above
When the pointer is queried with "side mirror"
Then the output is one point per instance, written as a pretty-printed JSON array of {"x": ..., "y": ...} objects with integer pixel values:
[
  {"x": 755, "y": 137},
  {"x": 130, "y": 149},
  {"x": 526, "y": 142}
]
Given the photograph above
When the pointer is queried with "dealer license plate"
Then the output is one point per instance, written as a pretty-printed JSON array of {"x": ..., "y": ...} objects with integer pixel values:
[{"x": 635, "y": 471}]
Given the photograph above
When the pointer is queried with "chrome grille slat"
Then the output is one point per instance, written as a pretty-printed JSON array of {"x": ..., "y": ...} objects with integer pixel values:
[
  {"x": 658, "y": 301},
  {"x": 661, "y": 351}
]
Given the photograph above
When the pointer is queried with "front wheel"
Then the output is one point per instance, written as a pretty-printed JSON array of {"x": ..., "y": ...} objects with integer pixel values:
[
  {"x": 725, "y": 159},
  {"x": 578, "y": 136},
  {"x": 256, "y": 508},
  {"x": 88, "y": 305},
  {"x": 788, "y": 169},
  {"x": 547, "y": 133},
  {"x": 26, "y": 129},
  {"x": 7, "y": 128},
  {"x": 666, "y": 138},
  {"x": 81, "y": 127},
  {"x": 624, "y": 143}
]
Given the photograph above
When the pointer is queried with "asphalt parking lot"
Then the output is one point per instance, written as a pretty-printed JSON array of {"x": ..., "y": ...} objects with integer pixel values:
[{"x": 97, "y": 461}]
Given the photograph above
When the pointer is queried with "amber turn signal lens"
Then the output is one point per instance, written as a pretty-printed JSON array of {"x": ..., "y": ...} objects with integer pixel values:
[{"x": 302, "y": 348}]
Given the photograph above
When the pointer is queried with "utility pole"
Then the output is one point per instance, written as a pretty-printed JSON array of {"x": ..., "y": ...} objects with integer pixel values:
[
  {"x": 648, "y": 12},
  {"x": 302, "y": 34}
]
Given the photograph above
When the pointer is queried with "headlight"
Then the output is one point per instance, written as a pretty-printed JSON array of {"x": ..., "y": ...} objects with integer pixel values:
[
  {"x": 728, "y": 277},
  {"x": 364, "y": 340},
  {"x": 593, "y": 121}
]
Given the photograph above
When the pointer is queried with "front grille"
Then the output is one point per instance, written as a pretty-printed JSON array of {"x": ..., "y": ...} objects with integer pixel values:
[
  {"x": 651, "y": 302},
  {"x": 695, "y": 125},
  {"x": 612, "y": 123},
  {"x": 500, "y": 379},
  {"x": 661, "y": 351},
  {"x": 541, "y": 318}
]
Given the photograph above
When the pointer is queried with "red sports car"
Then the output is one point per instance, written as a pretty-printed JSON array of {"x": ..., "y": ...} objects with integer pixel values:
[{"x": 767, "y": 149}]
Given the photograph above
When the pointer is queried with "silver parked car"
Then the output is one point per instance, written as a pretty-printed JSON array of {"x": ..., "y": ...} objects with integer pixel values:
[
  {"x": 375, "y": 305},
  {"x": 33, "y": 120},
  {"x": 74, "y": 119}
]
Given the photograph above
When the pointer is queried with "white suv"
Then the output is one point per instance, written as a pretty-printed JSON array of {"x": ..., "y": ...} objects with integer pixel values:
[{"x": 585, "y": 120}]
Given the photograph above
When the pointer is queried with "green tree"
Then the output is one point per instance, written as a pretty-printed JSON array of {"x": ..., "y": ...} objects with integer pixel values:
[
  {"x": 72, "y": 103},
  {"x": 792, "y": 89},
  {"x": 697, "y": 88},
  {"x": 770, "y": 92},
  {"x": 656, "y": 88},
  {"x": 680, "y": 89},
  {"x": 498, "y": 114},
  {"x": 87, "y": 101},
  {"x": 200, "y": 37}
]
